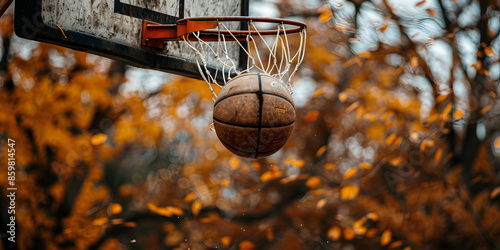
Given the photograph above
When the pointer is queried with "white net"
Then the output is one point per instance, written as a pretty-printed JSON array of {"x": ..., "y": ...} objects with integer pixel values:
[{"x": 269, "y": 54}]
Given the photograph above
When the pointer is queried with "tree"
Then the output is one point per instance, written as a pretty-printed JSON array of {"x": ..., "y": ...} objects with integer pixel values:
[{"x": 396, "y": 143}]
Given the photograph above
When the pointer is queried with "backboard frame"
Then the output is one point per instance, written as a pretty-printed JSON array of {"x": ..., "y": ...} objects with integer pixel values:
[{"x": 29, "y": 24}]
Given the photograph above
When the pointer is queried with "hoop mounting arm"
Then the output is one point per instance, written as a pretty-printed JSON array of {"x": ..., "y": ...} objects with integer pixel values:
[{"x": 154, "y": 35}]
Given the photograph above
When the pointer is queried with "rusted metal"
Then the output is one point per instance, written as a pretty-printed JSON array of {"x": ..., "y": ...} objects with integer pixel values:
[{"x": 157, "y": 33}]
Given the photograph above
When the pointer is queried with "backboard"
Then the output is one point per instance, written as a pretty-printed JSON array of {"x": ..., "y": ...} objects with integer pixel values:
[{"x": 112, "y": 28}]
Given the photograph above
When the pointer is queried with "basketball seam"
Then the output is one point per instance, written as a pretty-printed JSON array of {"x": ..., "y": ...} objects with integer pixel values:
[
  {"x": 254, "y": 92},
  {"x": 246, "y": 152},
  {"x": 260, "y": 96},
  {"x": 253, "y": 126}
]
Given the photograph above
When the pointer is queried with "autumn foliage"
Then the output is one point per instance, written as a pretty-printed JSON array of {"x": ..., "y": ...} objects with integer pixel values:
[{"x": 396, "y": 144}]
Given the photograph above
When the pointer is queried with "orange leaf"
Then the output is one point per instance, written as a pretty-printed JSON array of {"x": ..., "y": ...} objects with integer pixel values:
[
  {"x": 190, "y": 197},
  {"x": 485, "y": 109},
  {"x": 365, "y": 54},
  {"x": 321, "y": 151},
  {"x": 318, "y": 92},
  {"x": 489, "y": 51},
  {"x": 432, "y": 12},
  {"x": 390, "y": 139},
  {"x": 386, "y": 237},
  {"x": 352, "y": 107},
  {"x": 321, "y": 203},
  {"x": 408, "y": 247},
  {"x": 441, "y": 98},
  {"x": 413, "y": 62},
  {"x": 334, "y": 233},
  {"x": 323, "y": 17},
  {"x": 246, "y": 245},
  {"x": 341, "y": 28},
  {"x": 225, "y": 183},
  {"x": 115, "y": 208},
  {"x": 98, "y": 139},
  {"x": 256, "y": 165},
  {"x": 325, "y": 8},
  {"x": 349, "y": 192},
  {"x": 496, "y": 142},
  {"x": 372, "y": 216},
  {"x": 365, "y": 165},
  {"x": 420, "y": 3},
  {"x": 329, "y": 166},
  {"x": 298, "y": 163},
  {"x": 350, "y": 173},
  {"x": 196, "y": 207},
  {"x": 426, "y": 143},
  {"x": 225, "y": 241},
  {"x": 437, "y": 157},
  {"x": 349, "y": 234},
  {"x": 311, "y": 116},
  {"x": 343, "y": 97},
  {"x": 450, "y": 35},
  {"x": 495, "y": 193},
  {"x": 234, "y": 162},
  {"x": 458, "y": 114},
  {"x": 313, "y": 182},
  {"x": 396, "y": 244},
  {"x": 384, "y": 27},
  {"x": 100, "y": 221}
]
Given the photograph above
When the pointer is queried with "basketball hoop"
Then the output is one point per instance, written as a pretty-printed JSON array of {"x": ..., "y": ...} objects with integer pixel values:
[{"x": 209, "y": 37}]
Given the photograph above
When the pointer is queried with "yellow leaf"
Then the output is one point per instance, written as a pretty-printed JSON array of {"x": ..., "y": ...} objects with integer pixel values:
[
  {"x": 495, "y": 193},
  {"x": 437, "y": 157},
  {"x": 321, "y": 151},
  {"x": 349, "y": 234},
  {"x": 175, "y": 210},
  {"x": 311, "y": 116},
  {"x": 365, "y": 54},
  {"x": 98, "y": 139},
  {"x": 365, "y": 165},
  {"x": 458, "y": 114},
  {"x": 432, "y": 12},
  {"x": 225, "y": 241},
  {"x": 323, "y": 17},
  {"x": 489, "y": 51},
  {"x": 313, "y": 182},
  {"x": 115, "y": 208},
  {"x": 385, "y": 238},
  {"x": 196, "y": 207},
  {"x": 350, "y": 173},
  {"x": 329, "y": 166},
  {"x": 420, "y": 3},
  {"x": 349, "y": 192},
  {"x": 190, "y": 197},
  {"x": 334, "y": 233},
  {"x": 246, "y": 245}
]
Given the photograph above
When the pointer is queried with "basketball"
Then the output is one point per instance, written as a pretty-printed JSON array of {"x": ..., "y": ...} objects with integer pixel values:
[{"x": 254, "y": 115}]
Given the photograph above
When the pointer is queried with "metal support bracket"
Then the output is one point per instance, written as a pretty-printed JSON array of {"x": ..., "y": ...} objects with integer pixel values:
[{"x": 156, "y": 35}]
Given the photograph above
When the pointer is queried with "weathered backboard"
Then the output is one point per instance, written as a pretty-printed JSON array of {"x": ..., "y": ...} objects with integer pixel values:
[{"x": 112, "y": 28}]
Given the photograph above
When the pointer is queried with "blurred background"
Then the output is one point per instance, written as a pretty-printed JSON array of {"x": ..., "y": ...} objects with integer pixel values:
[{"x": 396, "y": 144}]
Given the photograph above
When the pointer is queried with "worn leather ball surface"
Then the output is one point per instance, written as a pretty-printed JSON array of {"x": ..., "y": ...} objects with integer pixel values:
[{"x": 254, "y": 115}]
